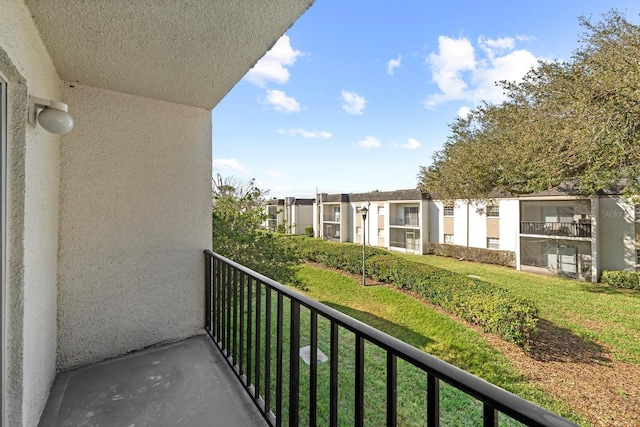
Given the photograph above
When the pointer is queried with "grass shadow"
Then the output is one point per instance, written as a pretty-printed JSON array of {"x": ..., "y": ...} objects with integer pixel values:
[
  {"x": 398, "y": 331},
  {"x": 600, "y": 289},
  {"x": 552, "y": 343}
]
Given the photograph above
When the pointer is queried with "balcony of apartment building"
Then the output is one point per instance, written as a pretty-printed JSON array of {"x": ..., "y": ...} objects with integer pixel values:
[
  {"x": 331, "y": 222},
  {"x": 271, "y": 356},
  {"x": 405, "y": 227},
  {"x": 556, "y": 219},
  {"x": 556, "y": 237},
  {"x": 331, "y": 213}
]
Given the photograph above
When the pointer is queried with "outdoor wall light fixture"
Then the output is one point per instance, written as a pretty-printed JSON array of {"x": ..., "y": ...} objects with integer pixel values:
[{"x": 53, "y": 116}]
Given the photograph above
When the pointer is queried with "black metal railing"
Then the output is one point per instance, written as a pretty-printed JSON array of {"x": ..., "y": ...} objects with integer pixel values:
[
  {"x": 405, "y": 222},
  {"x": 565, "y": 229},
  {"x": 257, "y": 325}
]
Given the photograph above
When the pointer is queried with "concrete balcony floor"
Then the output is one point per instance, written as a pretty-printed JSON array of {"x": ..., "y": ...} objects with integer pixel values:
[{"x": 187, "y": 383}]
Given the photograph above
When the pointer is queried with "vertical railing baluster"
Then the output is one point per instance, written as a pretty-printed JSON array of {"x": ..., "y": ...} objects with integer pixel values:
[
  {"x": 489, "y": 416},
  {"x": 232, "y": 279},
  {"x": 313, "y": 371},
  {"x": 392, "y": 390},
  {"x": 267, "y": 349},
  {"x": 249, "y": 327},
  {"x": 279, "y": 356},
  {"x": 256, "y": 381},
  {"x": 207, "y": 289},
  {"x": 234, "y": 345},
  {"x": 221, "y": 269},
  {"x": 294, "y": 364},
  {"x": 241, "y": 363},
  {"x": 359, "y": 389},
  {"x": 333, "y": 376},
  {"x": 223, "y": 303},
  {"x": 433, "y": 401}
]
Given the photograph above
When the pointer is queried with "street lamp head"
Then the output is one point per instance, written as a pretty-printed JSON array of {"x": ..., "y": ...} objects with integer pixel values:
[{"x": 364, "y": 211}]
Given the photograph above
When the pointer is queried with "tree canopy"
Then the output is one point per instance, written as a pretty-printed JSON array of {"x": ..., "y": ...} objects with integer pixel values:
[
  {"x": 576, "y": 121},
  {"x": 238, "y": 216}
]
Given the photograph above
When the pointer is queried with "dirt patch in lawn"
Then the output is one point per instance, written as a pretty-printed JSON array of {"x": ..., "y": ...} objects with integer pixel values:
[{"x": 583, "y": 374}]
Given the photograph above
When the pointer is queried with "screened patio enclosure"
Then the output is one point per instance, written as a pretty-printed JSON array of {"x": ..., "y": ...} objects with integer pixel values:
[{"x": 568, "y": 258}]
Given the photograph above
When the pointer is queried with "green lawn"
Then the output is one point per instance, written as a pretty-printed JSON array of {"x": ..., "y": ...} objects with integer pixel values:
[
  {"x": 417, "y": 324},
  {"x": 590, "y": 310}
]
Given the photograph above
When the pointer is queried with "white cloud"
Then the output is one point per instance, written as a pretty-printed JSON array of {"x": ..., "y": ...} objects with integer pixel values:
[
  {"x": 273, "y": 65},
  {"x": 496, "y": 46},
  {"x": 229, "y": 165},
  {"x": 392, "y": 64},
  {"x": 463, "y": 73},
  {"x": 305, "y": 133},
  {"x": 463, "y": 112},
  {"x": 281, "y": 102},
  {"x": 369, "y": 142},
  {"x": 274, "y": 174},
  {"x": 353, "y": 103},
  {"x": 411, "y": 144}
]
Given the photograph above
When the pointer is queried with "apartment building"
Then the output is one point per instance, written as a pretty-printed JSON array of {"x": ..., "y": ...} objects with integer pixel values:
[
  {"x": 397, "y": 220},
  {"x": 554, "y": 232},
  {"x": 291, "y": 215}
]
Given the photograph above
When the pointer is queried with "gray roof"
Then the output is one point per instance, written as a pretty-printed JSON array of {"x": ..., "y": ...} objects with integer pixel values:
[{"x": 377, "y": 196}]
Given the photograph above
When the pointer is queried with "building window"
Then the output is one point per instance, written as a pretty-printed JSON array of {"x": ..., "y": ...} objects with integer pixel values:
[
  {"x": 493, "y": 211},
  {"x": 381, "y": 210},
  {"x": 336, "y": 213},
  {"x": 493, "y": 243},
  {"x": 638, "y": 256},
  {"x": 637, "y": 212},
  {"x": 448, "y": 210},
  {"x": 380, "y": 232},
  {"x": 448, "y": 239},
  {"x": 411, "y": 215}
]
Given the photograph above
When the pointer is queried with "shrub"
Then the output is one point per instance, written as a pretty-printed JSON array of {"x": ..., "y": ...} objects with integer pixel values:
[
  {"x": 621, "y": 279},
  {"x": 494, "y": 309},
  {"x": 487, "y": 256},
  {"x": 308, "y": 231}
]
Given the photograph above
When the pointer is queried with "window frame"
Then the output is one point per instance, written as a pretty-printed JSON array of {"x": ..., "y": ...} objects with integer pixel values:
[
  {"x": 493, "y": 211},
  {"x": 448, "y": 210},
  {"x": 493, "y": 243}
]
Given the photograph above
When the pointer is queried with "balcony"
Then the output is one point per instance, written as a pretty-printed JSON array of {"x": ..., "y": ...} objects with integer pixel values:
[
  {"x": 561, "y": 229},
  {"x": 331, "y": 218},
  {"x": 291, "y": 355},
  {"x": 405, "y": 222},
  {"x": 187, "y": 383}
]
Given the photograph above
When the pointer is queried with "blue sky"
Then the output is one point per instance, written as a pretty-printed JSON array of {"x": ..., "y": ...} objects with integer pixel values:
[{"x": 358, "y": 94}]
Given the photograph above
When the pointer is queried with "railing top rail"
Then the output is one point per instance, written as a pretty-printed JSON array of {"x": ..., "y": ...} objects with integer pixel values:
[
  {"x": 500, "y": 399},
  {"x": 555, "y": 222}
]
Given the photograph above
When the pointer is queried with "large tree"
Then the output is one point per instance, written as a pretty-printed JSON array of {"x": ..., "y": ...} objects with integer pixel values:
[
  {"x": 576, "y": 121},
  {"x": 238, "y": 216}
]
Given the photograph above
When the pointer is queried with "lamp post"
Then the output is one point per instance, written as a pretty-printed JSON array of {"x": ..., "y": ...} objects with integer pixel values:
[{"x": 364, "y": 211}]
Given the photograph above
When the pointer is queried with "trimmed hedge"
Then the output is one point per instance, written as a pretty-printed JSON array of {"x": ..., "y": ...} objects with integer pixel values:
[
  {"x": 621, "y": 279},
  {"x": 487, "y": 256},
  {"x": 492, "y": 308},
  {"x": 308, "y": 231}
]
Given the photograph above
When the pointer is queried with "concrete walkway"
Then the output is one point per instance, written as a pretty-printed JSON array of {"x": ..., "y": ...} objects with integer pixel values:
[{"x": 187, "y": 383}]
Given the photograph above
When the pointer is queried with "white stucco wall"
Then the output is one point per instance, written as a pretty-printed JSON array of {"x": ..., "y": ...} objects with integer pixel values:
[
  {"x": 460, "y": 223},
  {"x": 135, "y": 216},
  {"x": 616, "y": 232},
  {"x": 509, "y": 224},
  {"x": 32, "y": 228},
  {"x": 477, "y": 225},
  {"x": 435, "y": 222}
]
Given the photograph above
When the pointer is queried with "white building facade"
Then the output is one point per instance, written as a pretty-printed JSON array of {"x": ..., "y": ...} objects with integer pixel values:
[{"x": 556, "y": 232}]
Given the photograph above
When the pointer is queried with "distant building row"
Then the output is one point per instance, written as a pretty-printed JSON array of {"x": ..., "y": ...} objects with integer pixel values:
[{"x": 553, "y": 232}]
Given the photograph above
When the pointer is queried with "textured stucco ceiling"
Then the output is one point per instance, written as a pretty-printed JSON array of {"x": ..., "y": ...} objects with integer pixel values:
[{"x": 187, "y": 51}]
